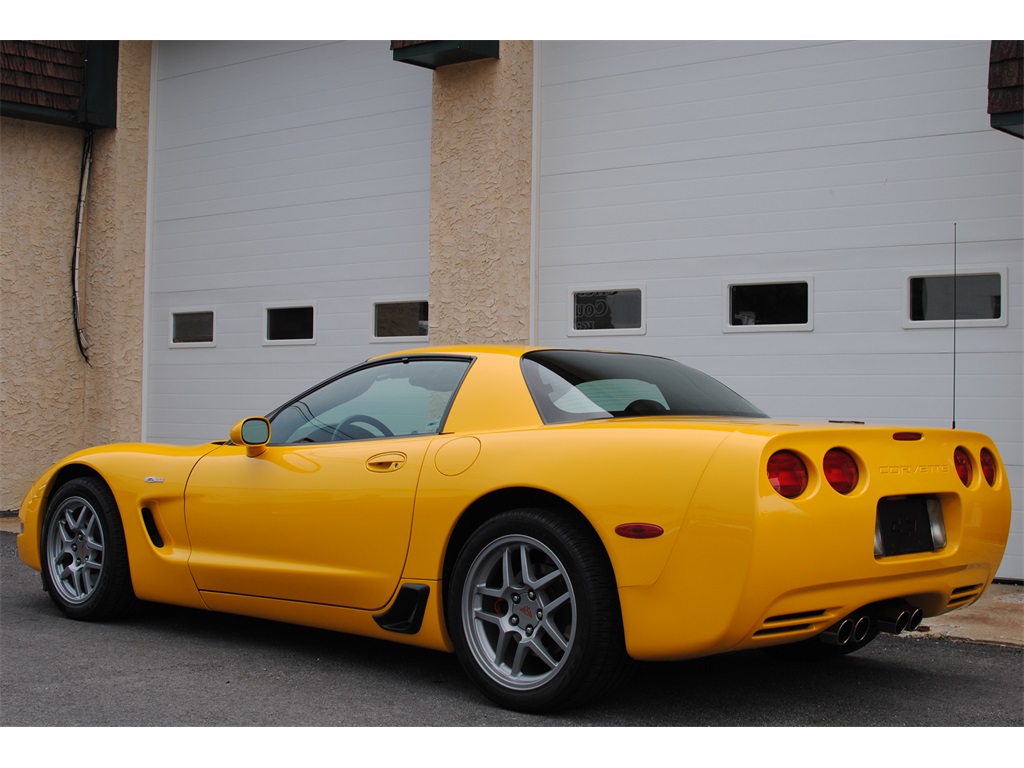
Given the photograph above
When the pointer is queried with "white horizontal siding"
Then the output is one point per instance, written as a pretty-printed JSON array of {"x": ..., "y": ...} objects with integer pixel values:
[
  {"x": 283, "y": 172},
  {"x": 683, "y": 165}
]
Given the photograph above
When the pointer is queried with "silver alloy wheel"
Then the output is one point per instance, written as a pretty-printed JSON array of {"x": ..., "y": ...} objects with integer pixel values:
[
  {"x": 74, "y": 549},
  {"x": 519, "y": 612}
]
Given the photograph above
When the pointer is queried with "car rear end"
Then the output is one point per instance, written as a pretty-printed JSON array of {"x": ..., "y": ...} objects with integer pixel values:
[{"x": 831, "y": 530}]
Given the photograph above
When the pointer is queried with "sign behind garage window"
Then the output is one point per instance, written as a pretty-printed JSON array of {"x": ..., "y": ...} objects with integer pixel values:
[
  {"x": 607, "y": 311},
  {"x": 192, "y": 327},
  {"x": 769, "y": 305}
]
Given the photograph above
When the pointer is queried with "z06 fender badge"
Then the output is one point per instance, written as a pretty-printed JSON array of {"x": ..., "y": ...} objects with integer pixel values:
[{"x": 152, "y": 479}]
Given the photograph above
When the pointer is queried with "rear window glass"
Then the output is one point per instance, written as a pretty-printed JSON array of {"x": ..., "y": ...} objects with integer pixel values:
[{"x": 574, "y": 385}]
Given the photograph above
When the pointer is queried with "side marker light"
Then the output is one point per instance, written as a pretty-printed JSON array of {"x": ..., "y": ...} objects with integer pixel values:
[{"x": 639, "y": 530}]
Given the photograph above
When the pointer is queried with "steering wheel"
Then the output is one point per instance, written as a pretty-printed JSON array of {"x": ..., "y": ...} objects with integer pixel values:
[
  {"x": 644, "y": 408},
  {"x": 346, "y": 429}
]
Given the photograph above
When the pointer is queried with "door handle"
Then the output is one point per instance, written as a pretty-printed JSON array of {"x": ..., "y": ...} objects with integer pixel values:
[{"x": 386, "y": 462}]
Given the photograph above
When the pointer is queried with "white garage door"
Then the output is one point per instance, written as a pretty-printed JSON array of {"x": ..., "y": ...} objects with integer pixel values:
[
  {"x": 782, "y": 215},
  {"x": 289, "y": 197}
]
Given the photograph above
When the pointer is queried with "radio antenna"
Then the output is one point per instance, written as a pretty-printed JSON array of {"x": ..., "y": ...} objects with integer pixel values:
[{"x": 954, "y": 324}]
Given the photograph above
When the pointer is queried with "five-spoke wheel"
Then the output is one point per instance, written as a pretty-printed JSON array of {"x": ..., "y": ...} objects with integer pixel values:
[
  {"x": 85, "y": 561},
  {"x": 534, "y": 612},
  {"x": 521, "y": 610}
]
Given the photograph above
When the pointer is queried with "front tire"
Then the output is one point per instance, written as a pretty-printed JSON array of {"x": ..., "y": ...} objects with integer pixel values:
[
  {"x": 84, "y": 556},
  {"x": 534, "y": 612}
]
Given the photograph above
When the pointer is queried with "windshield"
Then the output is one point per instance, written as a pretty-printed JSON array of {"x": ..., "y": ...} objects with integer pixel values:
[{"x": 574, "y": 385}]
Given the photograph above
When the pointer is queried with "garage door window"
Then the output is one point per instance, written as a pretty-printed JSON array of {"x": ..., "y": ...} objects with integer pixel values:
[
  {"x": 192, "y": 328},
  {"x": 974, "y": 298},
  {"x": 290, "y": 324},
  {"x": 398, "y": 320},
  {"x": 607, "y": 311},
  {"x": 769, "y": 305}
]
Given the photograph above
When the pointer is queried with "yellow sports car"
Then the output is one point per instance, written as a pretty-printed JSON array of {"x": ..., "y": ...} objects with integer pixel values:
[{"x": 543, "y": 513}]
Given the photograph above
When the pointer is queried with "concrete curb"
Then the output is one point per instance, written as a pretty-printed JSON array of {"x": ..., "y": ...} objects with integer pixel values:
[{"x": 998, "y": 618}]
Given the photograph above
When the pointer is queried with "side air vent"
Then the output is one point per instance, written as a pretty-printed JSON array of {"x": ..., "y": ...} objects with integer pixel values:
[
  {"x": 792, "y": 622},
  {"x": 964, "y": 595},
  {"x": 154, "y": 533}
]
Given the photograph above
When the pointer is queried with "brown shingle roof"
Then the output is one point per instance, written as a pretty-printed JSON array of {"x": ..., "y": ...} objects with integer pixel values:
[
  {"x": 1006, "y": 77},
  {"x": 43, "y": 73}
]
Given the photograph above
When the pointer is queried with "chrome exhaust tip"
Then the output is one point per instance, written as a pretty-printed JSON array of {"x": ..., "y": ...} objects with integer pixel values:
[
  {"x": 916, "y": 617},
  {"x": 861, "y": 627},
  {"x": 894, "y": 621},
  {"x": 839, "y": 633}
]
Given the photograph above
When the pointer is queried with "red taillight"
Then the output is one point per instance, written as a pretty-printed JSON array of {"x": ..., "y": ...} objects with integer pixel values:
[
  {"x": 787, "y": 474},
  {"x": 962, "y": 462},
  {"x": 840, "y": 470},
  {"x": 988, "y": 466}
]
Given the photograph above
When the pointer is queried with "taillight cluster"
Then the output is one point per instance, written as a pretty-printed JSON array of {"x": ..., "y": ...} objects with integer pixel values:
[
  {"x": 964, "y": 465},
  {"x": 788, "y": 473}
]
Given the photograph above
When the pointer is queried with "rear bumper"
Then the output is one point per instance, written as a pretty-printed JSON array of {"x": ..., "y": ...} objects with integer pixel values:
[
  {"x": 751, "y": 569},
  {"x": 674, "y": 620}
]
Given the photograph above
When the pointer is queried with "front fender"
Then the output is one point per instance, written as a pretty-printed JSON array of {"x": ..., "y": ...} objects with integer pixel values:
[{"x": 145, "y": 480}]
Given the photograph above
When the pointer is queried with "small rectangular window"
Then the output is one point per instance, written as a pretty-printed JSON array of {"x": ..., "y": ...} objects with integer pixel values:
[
  {"x": 192, "y": 327},
  {"x": 978, "y": 299},
  {"x": 769, "y": 305},
  {"x": 290, "y": 324},
  {"x": 607, "y": 311},
  {"x": 394, "y": 320}
]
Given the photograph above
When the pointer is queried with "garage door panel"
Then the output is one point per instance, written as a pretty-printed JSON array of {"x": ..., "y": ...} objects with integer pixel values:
[
  {"x": 681, "y": 168},
  {"x": 283, "y": 173}
]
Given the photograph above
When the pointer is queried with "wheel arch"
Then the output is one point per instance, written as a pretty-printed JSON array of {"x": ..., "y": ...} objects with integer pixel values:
[
  {"x": 565, "y": 540},
  {"x": 60, "y": 478},
  {"x": 503, "y": 500},
  {"x": 100, "y": 544}
]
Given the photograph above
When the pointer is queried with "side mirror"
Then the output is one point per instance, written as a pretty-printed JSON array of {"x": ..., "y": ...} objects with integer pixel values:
[{"x": 253, "y": 433}]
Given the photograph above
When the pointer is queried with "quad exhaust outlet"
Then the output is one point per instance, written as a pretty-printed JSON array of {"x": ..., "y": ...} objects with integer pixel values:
[{"x": 892, "y": 618}]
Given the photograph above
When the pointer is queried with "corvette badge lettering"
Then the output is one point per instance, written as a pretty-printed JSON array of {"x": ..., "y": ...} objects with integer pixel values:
[
  {"x": 152, "y": 479},
  {"x": 921, "y": 469}
]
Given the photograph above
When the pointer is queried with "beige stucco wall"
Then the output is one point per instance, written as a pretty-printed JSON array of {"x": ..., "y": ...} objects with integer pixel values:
[
  {"x": 51, "y": 401},
  {"x": 480, "y": 199}
]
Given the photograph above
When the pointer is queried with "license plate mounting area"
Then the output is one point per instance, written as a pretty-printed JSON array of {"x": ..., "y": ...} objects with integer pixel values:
[{"x": 908, "y": 524}]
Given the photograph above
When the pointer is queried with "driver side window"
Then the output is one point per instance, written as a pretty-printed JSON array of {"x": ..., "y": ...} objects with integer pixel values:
[{"x": 394, "y": 398}]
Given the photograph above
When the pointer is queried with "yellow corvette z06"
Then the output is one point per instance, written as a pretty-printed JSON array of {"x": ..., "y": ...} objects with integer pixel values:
[{"x": 545, "y": 514}]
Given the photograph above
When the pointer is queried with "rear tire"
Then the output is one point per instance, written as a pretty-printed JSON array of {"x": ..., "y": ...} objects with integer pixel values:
[
  {"x": 534, "y": 613},
  {"x": 84, "y": 555}
]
